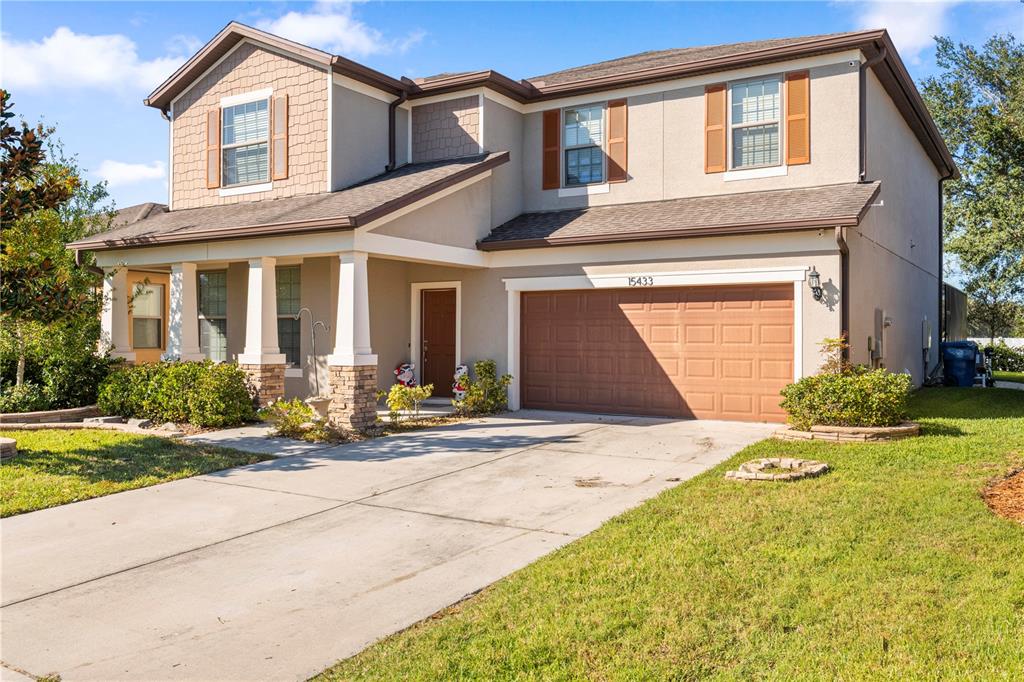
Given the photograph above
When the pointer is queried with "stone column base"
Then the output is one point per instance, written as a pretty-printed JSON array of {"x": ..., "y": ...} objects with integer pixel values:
[
  {"x": 353, "y": 396},
  {"x": 268, "y": 380}
]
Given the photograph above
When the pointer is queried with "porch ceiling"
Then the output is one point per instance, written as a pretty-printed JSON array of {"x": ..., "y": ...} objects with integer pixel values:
[{"x": 345, "y": 209}]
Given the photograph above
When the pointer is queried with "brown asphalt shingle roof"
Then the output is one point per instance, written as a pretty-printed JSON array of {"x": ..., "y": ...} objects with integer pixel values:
[
  {"x": 660, "y": 58},
  {"x": 135, "y": 213},
  {"x": 347, "y": 208},
  {"x": 825, "y": 206}
]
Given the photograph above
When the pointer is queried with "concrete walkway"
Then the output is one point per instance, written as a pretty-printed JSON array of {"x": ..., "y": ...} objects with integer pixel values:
[{"x": 278, "y": 569}]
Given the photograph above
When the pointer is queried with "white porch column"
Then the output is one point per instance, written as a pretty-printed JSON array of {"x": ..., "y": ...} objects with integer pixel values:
[
  {"x": 352, "y": 328},
  {"x": 114, "y": 318},
  {"x": 183, "y": 327},
  {"x": 352, "y": 365},
  {"x": 261, "y": 316}
]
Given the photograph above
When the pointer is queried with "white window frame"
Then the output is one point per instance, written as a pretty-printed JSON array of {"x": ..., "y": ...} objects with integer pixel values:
[
  {"x": 201, "y": 316},
  {"x": 233, "y": 101},
  {"x": 161, "y": 335},
  {"x": 290, "y": 316},
  {"x": 763, "y": 170},
  {"x": 573, "y": 190},
  {"x": 416, "y": 321}
]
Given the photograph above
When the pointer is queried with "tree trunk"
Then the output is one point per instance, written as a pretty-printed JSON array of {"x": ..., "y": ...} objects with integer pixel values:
[{"x": 20, "y": 337}]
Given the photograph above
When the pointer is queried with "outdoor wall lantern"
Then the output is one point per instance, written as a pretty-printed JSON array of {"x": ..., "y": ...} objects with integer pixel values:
[{"x": 814, "y": 280}]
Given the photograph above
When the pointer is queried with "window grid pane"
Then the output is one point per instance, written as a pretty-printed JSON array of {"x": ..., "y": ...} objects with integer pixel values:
[
  {"x": 243, "y": 165},
  {"x": 584, "y": 126},
  {"x": 289, "y": 290},
  {"x": 755, "y": 146},
  {"x": 755, "y": 101},
  {"x": 146, "y": 332},
  {"x": 149, "y": 300},
  {"x": 288, "y": 338},
  {"x": 584, "y": 166},
  {"x": 213, "y": 339},
  {"x": 213, "y": 294},
  {"x": 245, "y": 122}
]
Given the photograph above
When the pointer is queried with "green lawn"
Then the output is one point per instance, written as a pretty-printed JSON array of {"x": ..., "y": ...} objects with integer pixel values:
[
  {"x": 1009, "y": 376},
  {"x": 890, "y": 566},
  {"x": 56, "y": 467}
]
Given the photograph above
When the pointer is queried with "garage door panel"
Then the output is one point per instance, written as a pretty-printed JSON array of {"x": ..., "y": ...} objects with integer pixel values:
[{"x": 712, "y": 352}]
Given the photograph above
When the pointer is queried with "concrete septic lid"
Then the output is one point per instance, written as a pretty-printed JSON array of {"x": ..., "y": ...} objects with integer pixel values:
[{"x": 796, "y": 468}]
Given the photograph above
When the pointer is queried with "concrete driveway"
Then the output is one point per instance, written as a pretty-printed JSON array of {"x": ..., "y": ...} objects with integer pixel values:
[{"x": 278, "y": 569}]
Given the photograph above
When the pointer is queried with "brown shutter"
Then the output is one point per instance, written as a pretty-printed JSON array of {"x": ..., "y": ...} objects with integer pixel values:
[
  {"x": 798, "y": 118},
  {"x": 213, "y": 148},
  {"x": 617, "y": 147},
  {"x": 550, "y": 175},
  {"x": 279, "y": 138},
  {"x": 714, "y": 128}
]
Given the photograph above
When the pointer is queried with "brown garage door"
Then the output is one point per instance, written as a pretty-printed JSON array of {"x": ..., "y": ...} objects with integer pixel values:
[{"x": 705, "y": 352}]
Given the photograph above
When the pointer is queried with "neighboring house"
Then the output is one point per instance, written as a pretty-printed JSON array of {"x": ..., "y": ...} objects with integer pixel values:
[{"x": 635, "y": 236}]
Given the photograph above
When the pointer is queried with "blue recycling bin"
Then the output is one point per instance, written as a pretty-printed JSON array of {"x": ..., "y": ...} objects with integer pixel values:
[{"x": 958, "y": 362}]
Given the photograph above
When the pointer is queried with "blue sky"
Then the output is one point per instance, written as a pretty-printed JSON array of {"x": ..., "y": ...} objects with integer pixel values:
[{"x": 86, "y": 66}]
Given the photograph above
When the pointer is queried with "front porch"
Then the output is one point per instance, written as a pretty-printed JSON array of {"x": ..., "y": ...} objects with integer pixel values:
[{"x": 300, "y": 326}]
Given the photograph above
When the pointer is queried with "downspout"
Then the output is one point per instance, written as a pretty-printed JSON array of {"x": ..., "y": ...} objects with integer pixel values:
[
  {"x": 392, "y": 109},
  {"x": 844, "y": 283},
  {"x": 862, "y": 128}
]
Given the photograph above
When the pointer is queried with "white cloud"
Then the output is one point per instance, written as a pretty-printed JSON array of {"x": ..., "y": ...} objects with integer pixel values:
[
  {"x": 331, "y": 26},
  {"x": 72, "y": 60},
  {"x": 119, "y": 173},
  {"x": 912, "y": 25}
]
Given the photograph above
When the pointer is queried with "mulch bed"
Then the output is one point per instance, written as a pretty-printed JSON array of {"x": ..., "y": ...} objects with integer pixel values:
[{"x": 1006, "y": 497}]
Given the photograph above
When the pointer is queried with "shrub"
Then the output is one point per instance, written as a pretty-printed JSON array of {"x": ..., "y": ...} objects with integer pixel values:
[
  {"x": 290, "y": 418},
  {"x": 407, "y": 399},
  {"x": 74, "y": 381},
  {"x": 844, "y": 394},
  {"x": 487, "y": 393},
  {"x": 199, "y": 393},
  {"x": 28, "y": 397},
  {"x": 1006, "y": 358}
]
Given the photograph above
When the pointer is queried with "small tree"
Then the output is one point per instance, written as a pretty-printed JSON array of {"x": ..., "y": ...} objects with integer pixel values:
[{"x": 45, "y": 206}]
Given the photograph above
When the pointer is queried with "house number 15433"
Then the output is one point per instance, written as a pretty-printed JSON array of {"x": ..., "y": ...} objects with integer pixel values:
[{"x": 641, "y": 281}]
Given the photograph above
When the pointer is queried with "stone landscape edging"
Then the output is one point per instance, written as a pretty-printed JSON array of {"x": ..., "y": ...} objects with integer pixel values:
[
  {"x": 851, "y": 434},
  {"x": 70, "y": 414}
]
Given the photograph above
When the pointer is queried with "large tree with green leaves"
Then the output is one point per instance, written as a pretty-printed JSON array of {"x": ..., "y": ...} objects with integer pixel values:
[
  {"x": 978, "y": 104},
  {"x": 46, "y": 205}
]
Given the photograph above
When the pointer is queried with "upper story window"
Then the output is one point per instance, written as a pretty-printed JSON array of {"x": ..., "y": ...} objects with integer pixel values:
[
  {"x": 245, "y": 135},
  {"x": 754, "y": 123},
  {"x": 289, "y": 296},
  {"x": 583, "y": 141}
]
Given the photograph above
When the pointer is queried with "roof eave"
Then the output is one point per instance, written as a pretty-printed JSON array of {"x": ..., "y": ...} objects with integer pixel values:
[{"x": 679, "y": 233}]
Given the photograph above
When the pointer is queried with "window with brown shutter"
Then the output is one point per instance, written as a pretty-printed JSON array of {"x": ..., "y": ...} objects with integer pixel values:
[
  {"x": 279, "y": 138},
  {"x": 798, "y": 118},
  {"x": 213, "y": 148},
  {"x": 714, "y": 128},
  {"x": 550, "y": 175},
  {"x": 617, "y": 145}
]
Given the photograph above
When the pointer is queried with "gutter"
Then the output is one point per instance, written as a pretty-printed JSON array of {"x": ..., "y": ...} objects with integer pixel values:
[{"x": 844, "y": 284}]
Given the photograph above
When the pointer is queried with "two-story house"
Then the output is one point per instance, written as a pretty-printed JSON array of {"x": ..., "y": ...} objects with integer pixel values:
[{"x": 671, "y": 233}]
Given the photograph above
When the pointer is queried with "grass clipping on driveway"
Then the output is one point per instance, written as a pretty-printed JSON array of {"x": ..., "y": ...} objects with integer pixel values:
[
  {"x": 55, "y": 467},
  {"x": 891, "y": 566}
]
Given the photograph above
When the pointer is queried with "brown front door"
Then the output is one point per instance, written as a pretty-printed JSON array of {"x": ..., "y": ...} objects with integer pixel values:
[
  {"x": 437, "y": 364},
  {"x": 704, "y": 352}
]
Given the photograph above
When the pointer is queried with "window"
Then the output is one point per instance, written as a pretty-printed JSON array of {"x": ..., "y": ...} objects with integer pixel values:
[
  {"x": 754, "y": 123},
  {"x": 244, "y": 143},
  {"x": 583, "y": 141},
  {"x": 148, "y": 316},
  {"x": 213, "y": 315},
  {"x": 288, "y": 302}
]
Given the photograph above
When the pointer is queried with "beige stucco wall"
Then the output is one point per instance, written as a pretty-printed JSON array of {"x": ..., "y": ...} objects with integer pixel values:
[
  {"x": 360, "y": 137},
  {"x": 503, "y": 131},
  {"x": 247, "y": 69},
  {"x": 666, "y": 146},
  {"x": 446, "y": 130},
  {"x": 894, "y": 252},
  {"x": 459, "y": 219}
]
